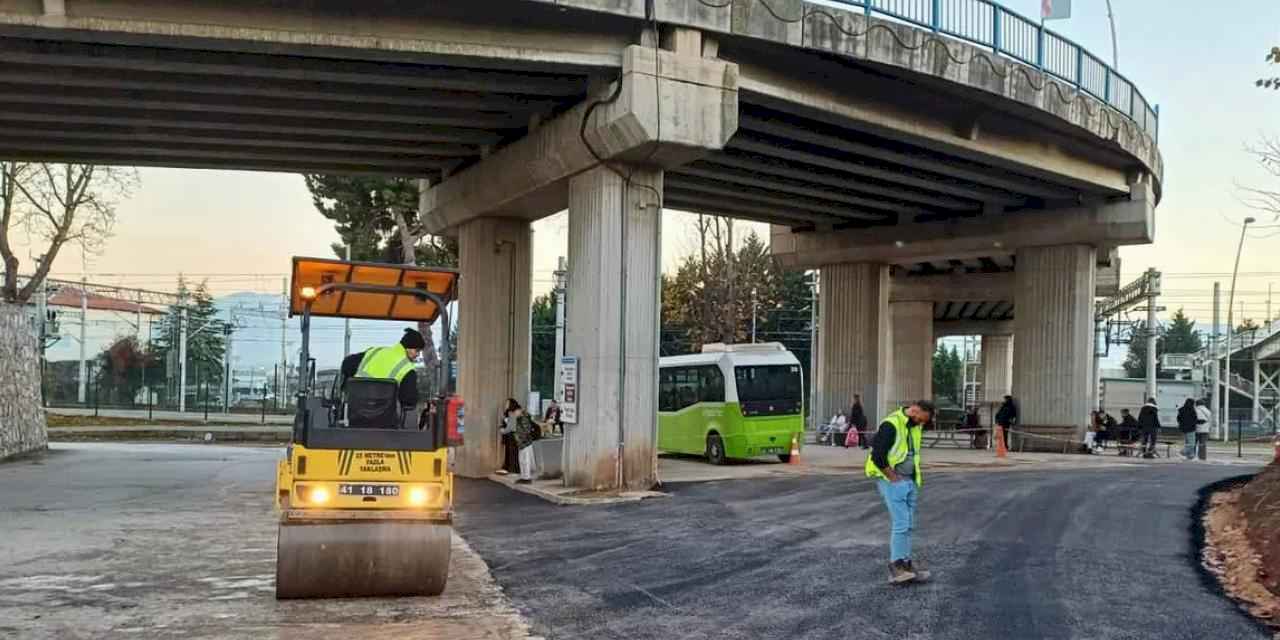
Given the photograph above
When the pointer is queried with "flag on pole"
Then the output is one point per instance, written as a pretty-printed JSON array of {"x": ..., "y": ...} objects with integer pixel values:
[{"x": 1055, "y": 9}]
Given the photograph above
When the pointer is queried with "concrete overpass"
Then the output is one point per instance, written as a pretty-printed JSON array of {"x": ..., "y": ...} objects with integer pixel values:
[{"x": 873, "y": 141}]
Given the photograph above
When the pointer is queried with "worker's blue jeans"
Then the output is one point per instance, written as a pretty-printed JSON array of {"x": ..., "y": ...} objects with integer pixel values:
[{"x": 900, "y": 498}]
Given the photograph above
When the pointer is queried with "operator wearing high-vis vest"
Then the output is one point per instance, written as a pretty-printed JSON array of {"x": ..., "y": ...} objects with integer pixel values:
[
  {"x": 894, "y": 463},
  {"x": 394, "y": 362}
]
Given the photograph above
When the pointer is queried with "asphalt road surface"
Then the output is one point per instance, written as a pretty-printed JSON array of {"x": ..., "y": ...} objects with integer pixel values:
[
  {"x": 1092, "y": 554},
  {"x": 179, "y": 541}
]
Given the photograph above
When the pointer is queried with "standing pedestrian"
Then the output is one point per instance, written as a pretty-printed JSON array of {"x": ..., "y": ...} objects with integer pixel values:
[
  {"x": 525, "y": 432},
  {"x": 895, "y": 464},
  {"x": 1006, "y": 417},
  {"x": 1149, "y": 422},
  {"x": 1187, "y": 425},
  {"x": 858, "y": 422},
  {"x": 1204, "y": 422},
  {"x": 510, "y": 452}
]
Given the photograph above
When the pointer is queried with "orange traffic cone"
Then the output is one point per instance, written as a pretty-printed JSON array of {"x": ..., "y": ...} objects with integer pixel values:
[
  {"x": 1001, "y": 451},
  {"x": 794, "y": 458}
]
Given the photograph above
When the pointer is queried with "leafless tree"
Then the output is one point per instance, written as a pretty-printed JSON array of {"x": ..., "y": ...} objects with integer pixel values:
[
  {"x": 56, "y": 204},
  {"x": 1267, "y": 153}
]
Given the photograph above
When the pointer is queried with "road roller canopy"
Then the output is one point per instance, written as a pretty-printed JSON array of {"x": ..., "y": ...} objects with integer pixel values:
[{"x": 383, "y": 291}]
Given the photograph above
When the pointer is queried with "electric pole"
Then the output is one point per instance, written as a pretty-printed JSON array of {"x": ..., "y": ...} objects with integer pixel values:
[
  {"x": 346, "y": 322},
  {"x": 560, "y": 275},
  {"x": 1215, "y": 400},
  {"x": 81, "y": 394},
  {"x": 182, "y": 354},
  {"x": 284, "y": 333},
  {"x": 754, "y": 305},
  {"x": 1153, "y": 290}
]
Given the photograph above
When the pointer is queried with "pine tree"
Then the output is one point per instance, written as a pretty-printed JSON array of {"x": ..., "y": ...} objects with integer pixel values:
[
  {"x": 1179, "y": 336},
  {"x": 206, "y": 340}
]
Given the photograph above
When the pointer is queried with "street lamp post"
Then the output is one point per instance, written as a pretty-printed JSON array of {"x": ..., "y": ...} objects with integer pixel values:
[{"x": 1226, "y": 403}]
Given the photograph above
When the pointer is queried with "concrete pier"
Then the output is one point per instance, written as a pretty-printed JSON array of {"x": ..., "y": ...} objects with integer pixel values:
[
  {"x": 1053, "y": 330},
  {"x": 853, "y": 353},
  {"x": 913, "y": 348},
  {"x": 493, "y": 333},
  {"x": 997, "y": 367},
  {"x": 612, "y": 326}
]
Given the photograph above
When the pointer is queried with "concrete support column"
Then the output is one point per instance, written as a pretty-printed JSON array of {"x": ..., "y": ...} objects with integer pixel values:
[
  {"x": 612, "y": 327},
  {"x": 853, "y": 354},
  {"x": 997, "y": 367},
  {"x": 913, "y": 348},
  {"x": 493, "y": 332},
  {"x": 1053, "y": 326}
]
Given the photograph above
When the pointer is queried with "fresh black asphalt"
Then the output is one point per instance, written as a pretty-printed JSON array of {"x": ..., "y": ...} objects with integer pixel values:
[{"x": 1089, "y": 554}]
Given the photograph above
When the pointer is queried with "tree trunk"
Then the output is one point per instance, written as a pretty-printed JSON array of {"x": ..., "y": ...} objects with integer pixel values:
[
  {"x": 22, "y": 420},
  {"x": 409, "y": 255}
]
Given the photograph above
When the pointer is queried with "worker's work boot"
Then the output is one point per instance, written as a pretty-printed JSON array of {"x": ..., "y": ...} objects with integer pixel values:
[
  {"x": 899, "y": 573},
  {"x": 922, "y": 574}
]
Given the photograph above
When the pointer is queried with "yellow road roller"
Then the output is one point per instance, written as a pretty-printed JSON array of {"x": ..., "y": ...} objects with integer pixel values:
[{"x": 365, "y": 492}]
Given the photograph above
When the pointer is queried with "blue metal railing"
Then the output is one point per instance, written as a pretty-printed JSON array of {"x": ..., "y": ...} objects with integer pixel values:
[{"x": 1010, "y": 34}]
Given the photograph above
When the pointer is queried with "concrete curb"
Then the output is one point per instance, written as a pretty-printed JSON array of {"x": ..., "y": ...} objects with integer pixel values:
[
  {"x": 552, "y": 492},
  {"x": 204, "y": 433}
]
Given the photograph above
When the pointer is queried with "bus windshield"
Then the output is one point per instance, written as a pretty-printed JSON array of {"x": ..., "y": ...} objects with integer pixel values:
[{"x": 768, "y": 390}]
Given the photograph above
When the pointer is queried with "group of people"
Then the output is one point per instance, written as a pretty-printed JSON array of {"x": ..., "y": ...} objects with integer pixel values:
[
  {"x": 1006, "y": 417},
  {"x": 1194, "y": 421},
  {"x": 519, "y": 431},
  {"x": 849, "y": 430}
]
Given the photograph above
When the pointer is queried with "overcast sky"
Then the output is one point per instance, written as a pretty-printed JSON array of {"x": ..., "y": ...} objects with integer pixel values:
[{"x": 1197, "y": 61}]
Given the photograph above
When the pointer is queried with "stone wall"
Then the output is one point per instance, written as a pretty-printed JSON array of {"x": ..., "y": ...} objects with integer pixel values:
[{"x": 22, "y": 421}]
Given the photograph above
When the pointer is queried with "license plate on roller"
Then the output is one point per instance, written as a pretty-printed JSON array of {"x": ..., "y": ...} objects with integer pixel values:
[{"x": 377, "y": 490}]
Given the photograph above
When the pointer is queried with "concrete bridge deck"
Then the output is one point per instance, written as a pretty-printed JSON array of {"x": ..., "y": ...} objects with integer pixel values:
[{"x": 881, "y": 148}]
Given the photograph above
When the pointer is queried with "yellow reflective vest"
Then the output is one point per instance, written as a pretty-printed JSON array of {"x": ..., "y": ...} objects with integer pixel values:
[
  {"x": 903, "y": 429},
  {"x": 385, "y": 363}
]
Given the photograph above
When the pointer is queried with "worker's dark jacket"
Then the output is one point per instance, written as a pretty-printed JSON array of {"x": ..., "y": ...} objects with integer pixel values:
[
  {"x": 1007, "y": 415},
  {"x": 408, "y": 391},
  {"x": 1149, "y": 418}
]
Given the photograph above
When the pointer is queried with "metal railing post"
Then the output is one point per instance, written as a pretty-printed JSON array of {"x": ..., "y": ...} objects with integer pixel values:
[
  {"x": 866, "y": 6},
  {"x": 1079, "y": 66},
  {"x": 1106, "y": 86},
  {"x": 937, "y": 15},
  {"x": 1040, "y": 46},
  {"x": 996, "y": 14}
]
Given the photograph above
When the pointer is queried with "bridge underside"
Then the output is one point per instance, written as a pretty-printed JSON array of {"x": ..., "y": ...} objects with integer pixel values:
[{"x": 900, "y": 179}]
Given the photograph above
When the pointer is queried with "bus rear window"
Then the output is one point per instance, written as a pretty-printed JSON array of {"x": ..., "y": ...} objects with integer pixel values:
[{"x": 768, "y": 390}]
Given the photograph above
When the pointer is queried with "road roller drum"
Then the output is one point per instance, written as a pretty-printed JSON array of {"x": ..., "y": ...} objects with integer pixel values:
[{"x": 357, "y": 559}]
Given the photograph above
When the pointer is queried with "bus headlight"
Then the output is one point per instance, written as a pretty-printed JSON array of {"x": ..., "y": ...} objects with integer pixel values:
[{"x": 318, "y": 495}]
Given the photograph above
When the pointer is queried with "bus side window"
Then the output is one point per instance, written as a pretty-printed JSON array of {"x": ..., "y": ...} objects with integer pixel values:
[
  {"x": 666, "y": 391},
  {"x": 686, "y": 382},
  {"x": 711, "y": 388}
]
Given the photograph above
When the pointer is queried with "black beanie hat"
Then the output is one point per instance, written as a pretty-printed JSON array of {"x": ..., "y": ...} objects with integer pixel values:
[{"x": 413, "y": 340}]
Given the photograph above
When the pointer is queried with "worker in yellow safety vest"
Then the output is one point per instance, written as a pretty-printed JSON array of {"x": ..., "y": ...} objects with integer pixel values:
[
  {"x": 895, "y": 464},
  {"x": 390, "y": 363}
]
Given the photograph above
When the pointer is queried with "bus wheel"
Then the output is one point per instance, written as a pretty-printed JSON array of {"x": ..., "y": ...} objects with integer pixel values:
[
  {"x": 785, "y": 457},
  {"x": 715, "y": 449}
]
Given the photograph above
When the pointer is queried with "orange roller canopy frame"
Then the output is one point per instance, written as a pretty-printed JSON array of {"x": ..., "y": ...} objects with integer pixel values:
[{"x": 314, "y": 273}]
